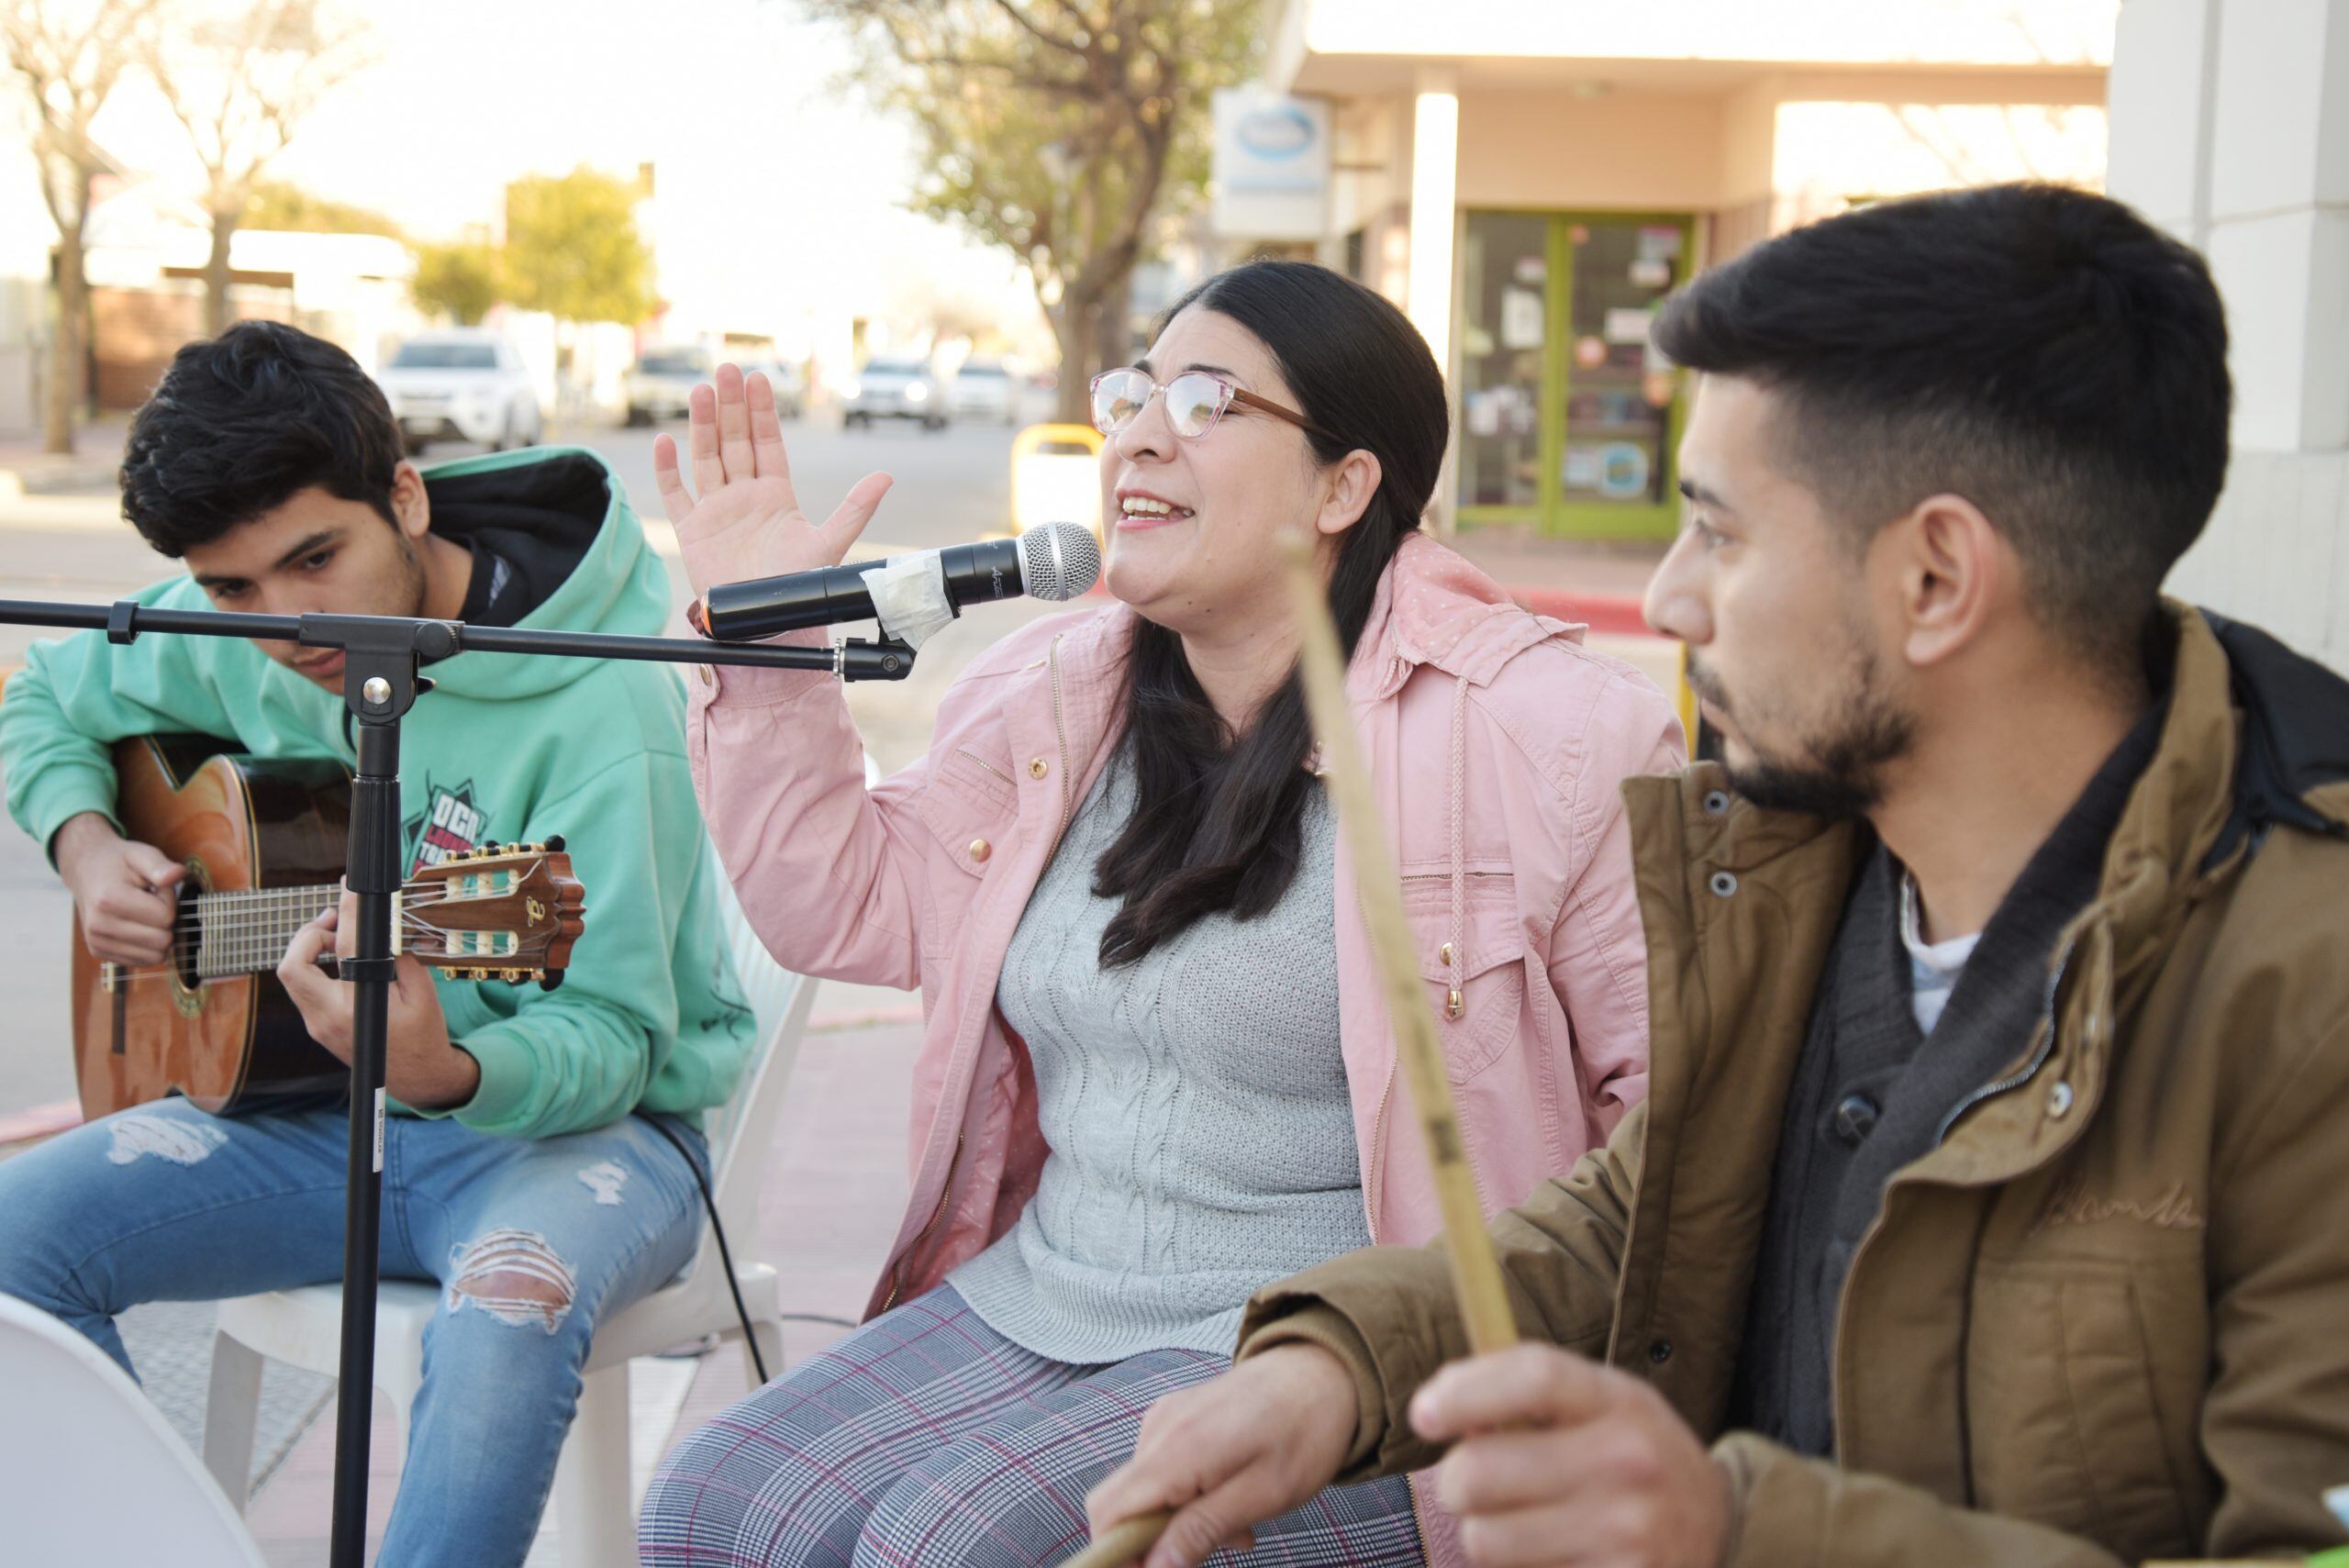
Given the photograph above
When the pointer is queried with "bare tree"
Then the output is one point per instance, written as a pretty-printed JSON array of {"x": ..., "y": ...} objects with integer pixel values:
[
  {"x": 241, "y": 75},
  {"x": 1063, "y": 130},
  {"x": 69, "y": 54}
]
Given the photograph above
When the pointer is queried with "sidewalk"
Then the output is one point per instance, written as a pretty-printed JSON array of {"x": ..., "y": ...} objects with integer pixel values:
[
  {"x": 90, "y": 468},
  {"x": 1593, "y": 581}
]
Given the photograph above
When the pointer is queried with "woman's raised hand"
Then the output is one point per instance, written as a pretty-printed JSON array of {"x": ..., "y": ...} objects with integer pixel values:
[{"x": 741, "y": 518}]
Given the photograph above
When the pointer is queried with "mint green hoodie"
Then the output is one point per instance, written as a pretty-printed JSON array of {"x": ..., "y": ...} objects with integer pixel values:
[{"x": 504, "y": 748}]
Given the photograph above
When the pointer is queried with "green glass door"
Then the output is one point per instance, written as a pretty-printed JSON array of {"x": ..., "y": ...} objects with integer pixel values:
[{"x": 1568, "y": 417}]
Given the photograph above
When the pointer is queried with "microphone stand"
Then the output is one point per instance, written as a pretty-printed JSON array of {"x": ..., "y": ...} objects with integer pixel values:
[{"x": 380, "y": 683}]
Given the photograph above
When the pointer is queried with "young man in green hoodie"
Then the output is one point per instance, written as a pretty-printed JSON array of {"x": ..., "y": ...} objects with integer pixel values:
[{"x": 533, "y": 1173}]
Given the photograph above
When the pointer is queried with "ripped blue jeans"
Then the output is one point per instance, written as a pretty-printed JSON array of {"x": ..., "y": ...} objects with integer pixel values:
[{"x": 532, "y": 1240}]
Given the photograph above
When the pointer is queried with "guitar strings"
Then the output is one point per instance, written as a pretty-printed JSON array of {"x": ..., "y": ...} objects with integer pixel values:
[
  {"x": 263, "y": 911},
  {"x": 256, "y": 952},
  {"x": 256, "y": 924}
]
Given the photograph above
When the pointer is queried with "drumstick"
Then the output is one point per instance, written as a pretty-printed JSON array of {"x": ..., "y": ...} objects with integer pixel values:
[{"x": 1475, "y": 1271}]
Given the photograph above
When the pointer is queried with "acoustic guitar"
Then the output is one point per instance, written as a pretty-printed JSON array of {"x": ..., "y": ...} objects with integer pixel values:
[{"x": 263, "y": 844}]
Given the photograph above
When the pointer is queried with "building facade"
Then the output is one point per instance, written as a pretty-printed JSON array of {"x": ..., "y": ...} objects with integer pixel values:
[
  {"x": 2230, "y": 127},
  {"x": 1530, "y": 180}
]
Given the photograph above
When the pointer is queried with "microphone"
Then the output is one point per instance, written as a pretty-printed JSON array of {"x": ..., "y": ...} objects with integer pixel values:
[{"x": 1052, "y": 560}]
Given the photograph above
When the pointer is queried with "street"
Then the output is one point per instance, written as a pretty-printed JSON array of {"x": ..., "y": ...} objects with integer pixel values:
[{"x": 952, "y": 486}]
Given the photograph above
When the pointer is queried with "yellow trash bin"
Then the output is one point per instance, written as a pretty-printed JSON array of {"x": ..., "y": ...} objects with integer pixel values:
[{"x": 1056, "y": 476}]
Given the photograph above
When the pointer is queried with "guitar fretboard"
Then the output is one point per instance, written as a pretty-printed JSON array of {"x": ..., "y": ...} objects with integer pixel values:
[{"x": 248, "y": 932}]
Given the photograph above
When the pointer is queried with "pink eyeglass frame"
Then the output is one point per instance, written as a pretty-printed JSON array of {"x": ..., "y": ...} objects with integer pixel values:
[{"x": 1233, "y": 396}]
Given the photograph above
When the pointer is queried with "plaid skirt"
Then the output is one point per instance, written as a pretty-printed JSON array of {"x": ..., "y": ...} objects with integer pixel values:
[{"x": 926, "y": 1439}]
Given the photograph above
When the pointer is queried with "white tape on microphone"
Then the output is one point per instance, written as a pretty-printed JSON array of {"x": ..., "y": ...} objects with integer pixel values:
[{"x": 909, "y": 597}]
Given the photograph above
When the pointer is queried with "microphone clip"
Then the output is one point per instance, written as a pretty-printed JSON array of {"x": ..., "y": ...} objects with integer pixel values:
[{"x": 883, "y": 658}]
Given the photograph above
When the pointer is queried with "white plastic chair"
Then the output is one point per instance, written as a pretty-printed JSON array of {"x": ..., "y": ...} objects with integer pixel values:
[
  {"x": 594, "y": 1496},
  {"x": 91, "y": 1475}
]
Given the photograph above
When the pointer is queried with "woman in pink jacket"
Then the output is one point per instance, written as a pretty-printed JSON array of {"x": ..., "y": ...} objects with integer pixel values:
[{"x": 1157, "y": 1072}]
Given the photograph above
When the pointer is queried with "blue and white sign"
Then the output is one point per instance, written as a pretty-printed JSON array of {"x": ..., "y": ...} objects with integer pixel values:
[{"x": 1272, "y": 165}]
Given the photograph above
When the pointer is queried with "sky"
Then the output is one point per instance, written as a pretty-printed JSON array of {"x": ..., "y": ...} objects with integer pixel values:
[{"x": 772, "y": 183}]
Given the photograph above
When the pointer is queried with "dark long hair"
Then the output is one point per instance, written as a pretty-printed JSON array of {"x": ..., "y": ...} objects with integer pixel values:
[{"x": 1216, "y": 823}]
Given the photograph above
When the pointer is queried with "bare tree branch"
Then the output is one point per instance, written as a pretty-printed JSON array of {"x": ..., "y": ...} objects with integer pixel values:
[
  {"x": 240, "y": 78},
  {"x": 1013, "y": 9},
  {"x": 69, "y": 83}
]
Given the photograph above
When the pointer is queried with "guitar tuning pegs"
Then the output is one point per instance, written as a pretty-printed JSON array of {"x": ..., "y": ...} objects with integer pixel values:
[
  {"x": 554, "y": 845},
  {"x": 551, "y": 980}
]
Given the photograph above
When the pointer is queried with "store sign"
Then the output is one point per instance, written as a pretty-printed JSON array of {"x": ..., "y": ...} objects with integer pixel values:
[{"x": 1272, "y": 165}]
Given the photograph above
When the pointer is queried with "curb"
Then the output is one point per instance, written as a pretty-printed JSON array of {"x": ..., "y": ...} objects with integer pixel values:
[
  {"x": 1613, "y": 615},
  {"x": 39, "y": 1121}
]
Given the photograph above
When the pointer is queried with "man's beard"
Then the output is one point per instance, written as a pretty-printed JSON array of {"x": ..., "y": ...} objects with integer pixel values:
[{"x": 1842, "y": 775}]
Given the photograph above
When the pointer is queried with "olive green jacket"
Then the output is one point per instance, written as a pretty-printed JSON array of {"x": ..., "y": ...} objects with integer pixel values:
[{"x": 2106, "y": 1317}]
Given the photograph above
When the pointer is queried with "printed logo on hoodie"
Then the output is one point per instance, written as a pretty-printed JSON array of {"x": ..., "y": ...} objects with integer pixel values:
[{"x": 451, "y": 825}]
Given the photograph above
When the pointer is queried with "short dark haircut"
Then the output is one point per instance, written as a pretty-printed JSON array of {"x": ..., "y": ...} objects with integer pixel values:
[
  {"x": 242, "y": 421},
  {"x": 2043, "y": 353}
]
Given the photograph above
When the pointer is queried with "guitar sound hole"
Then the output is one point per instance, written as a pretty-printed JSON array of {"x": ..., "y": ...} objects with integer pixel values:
[{"x": 188, "y": 934}]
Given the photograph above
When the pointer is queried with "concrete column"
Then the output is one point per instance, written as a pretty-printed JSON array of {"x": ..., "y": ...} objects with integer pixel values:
[
  {"x": 2230, "y": 127},
  {"x": 1435, "y": 218},
  {"x": 1435, "y": 186}
]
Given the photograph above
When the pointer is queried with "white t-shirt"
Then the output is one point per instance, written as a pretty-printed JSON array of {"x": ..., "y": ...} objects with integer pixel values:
[{"x": 1933, "y": 967}]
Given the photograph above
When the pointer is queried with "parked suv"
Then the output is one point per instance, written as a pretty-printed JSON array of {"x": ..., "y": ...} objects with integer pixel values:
[
  {"x": 462, "y": 385},
  {"x": 659, "y": 383},
  {"x": 894, "y": 389}
]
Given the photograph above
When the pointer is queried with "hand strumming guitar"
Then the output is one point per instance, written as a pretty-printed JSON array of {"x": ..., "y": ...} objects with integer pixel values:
[{"x": 123, "y": 890}]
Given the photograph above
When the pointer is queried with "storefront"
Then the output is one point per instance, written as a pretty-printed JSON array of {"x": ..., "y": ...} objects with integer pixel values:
[
  {"x": 1529, "y": 181},
  {"x": 1568, "y": 417}
]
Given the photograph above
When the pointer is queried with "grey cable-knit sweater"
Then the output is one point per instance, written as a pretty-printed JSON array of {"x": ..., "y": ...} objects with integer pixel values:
[{"x": 1196, "y": 1104}]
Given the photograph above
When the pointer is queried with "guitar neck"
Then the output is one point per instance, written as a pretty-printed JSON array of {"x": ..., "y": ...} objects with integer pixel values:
[{"x": 248, "y": 932}]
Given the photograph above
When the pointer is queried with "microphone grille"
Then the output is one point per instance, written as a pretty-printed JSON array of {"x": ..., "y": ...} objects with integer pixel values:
[{"x": 1058, "y": 561}]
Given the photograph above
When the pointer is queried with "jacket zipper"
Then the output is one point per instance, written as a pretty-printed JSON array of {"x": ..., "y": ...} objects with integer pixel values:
[
  {"x": 1419, "y": 1521},
  {"x": 1059, "y": 726},
  {"x": 990, "y": 767},
  {"x": 897, "y": 1274},
  {"x": 2023, "y": 1074}
]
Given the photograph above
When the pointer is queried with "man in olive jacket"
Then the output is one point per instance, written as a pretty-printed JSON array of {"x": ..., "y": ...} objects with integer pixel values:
[{"x": 1990, "y": 1202}]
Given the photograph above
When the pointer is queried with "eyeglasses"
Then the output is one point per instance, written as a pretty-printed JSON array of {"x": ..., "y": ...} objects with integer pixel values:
[{"x": 1194, "y": 401}]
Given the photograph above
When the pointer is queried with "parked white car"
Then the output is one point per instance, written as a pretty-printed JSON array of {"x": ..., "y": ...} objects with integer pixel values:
[
  {"x": 462, "y": 385},
  {"x": 893, "y": 389},
  {"x": 985, "y": 389},
  {"x": 789, "y": 380},
  {"x": 661, "y": 381}
]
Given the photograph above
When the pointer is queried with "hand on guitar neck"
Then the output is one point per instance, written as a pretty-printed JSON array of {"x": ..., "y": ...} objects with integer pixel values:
[
  {"x": 422, "y": 1067},
  {"x": 125, "y": 890}
]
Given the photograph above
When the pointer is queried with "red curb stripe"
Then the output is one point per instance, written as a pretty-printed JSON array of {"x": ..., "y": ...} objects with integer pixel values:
[
  {"x": 1616, "y": 615},
  {"x": 1612, "y": 614},
  {"x": 40, "y": 1122}
]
